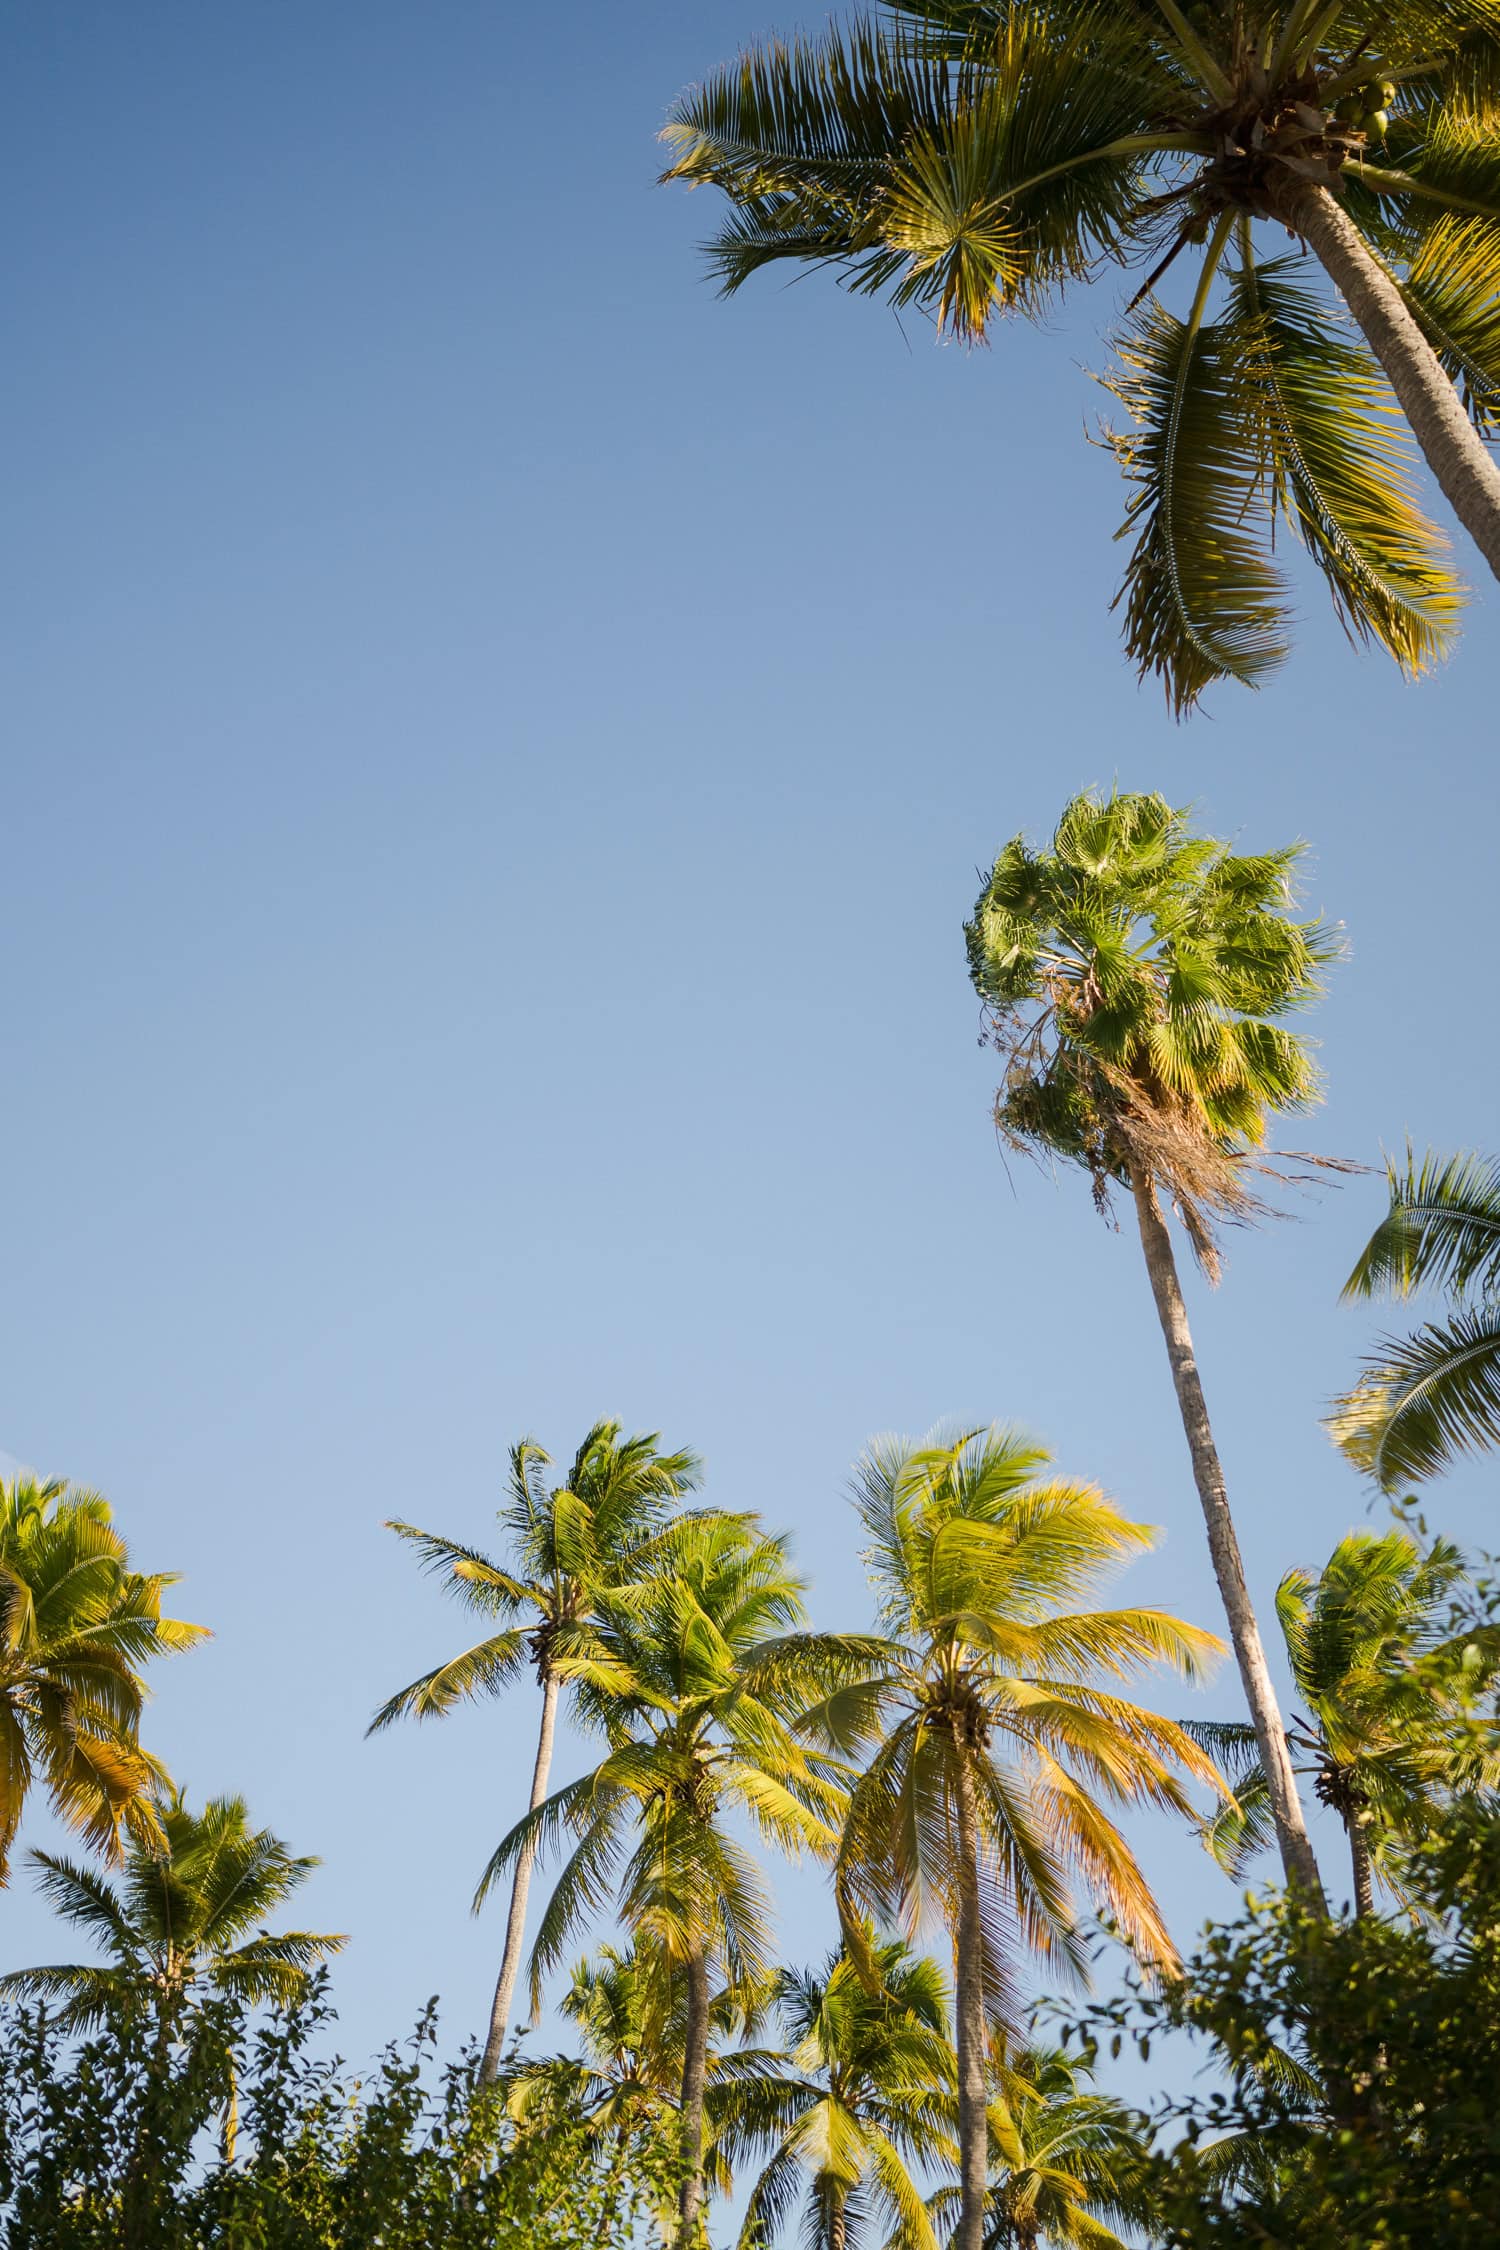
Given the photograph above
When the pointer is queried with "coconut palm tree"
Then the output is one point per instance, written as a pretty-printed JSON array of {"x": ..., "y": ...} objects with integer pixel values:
[
  {"x": 858, "y": 2104},
  {"x": 991, "y": 1743},
  {"x": 698, "y": 1733},
  {"x": 186, "y": 1919},
  {"x": 77, "y": 1626},
  {"x": 1065, "y": 2163},
  {"x": 1136, "y": 979},
  {"x": 1386, "y": 1675},
  {"x": 1426, "y": 1399},
  {"x": 975, "y": 157},
  {"x": 566, "y": 1543},
  {"x": 185, "y": 1922}
]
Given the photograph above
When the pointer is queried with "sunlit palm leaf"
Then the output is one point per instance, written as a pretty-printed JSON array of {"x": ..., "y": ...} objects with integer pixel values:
[
  {"x": 1202, "y": 602},
  {"x": 1340, "y": 464}
]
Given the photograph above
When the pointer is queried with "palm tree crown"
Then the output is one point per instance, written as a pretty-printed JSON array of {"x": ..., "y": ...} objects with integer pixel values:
[
  {"x": 1385, "y": 1673},
  {"x": 1425, "y": 1400},
  {"x": 1137, "y": 978},
  {"x": 991, "y": 1743},
  {"x": 1066, "y": 2163},
  {"x": 184, "y": 1920},
  {"x": 975, "y": 157},
  {"x": 847, "y": 2117},
  {"x": 77, "y": 1625},
  {"x": 568, "y": 1543}
]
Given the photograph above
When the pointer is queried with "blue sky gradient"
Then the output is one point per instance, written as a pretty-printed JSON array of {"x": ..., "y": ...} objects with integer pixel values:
[{"x": 500, "y": 747}]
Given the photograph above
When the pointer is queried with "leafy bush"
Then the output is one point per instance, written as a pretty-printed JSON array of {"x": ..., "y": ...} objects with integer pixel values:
[{"x": 112, "y": 2144}]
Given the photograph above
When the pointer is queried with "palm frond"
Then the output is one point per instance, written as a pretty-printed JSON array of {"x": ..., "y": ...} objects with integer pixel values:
[
  {"x": 1424, "y": 1401},
  {"x": 1340, "y": 464},
  {"x": 1202, "y": 602},
  {"x": 1442, "y": 1229}
]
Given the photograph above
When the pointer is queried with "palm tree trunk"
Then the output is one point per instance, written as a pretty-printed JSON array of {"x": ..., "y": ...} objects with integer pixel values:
[
  {"x": 837, "y": 2222},
  {"x": 1453, "y": 448},
  {"x": 694, "y": 2072},
  {"x": 515, "y": 1928},
  {"x": 968, "y": 1999},
  {"x": 1224, "y": 1547},
  {"x": 1364, "y": 1875}
]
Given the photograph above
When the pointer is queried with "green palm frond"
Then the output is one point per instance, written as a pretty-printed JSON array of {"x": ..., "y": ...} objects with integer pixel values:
[
  {"x": 1424, "y": 1401},
  {"x": 486, "y": 1669},
  {"x": 1202, "y": 602},
  {"x": 1453, "y": 288},
  {"x": 1340, "y": 465},
  {"x": 1442, "y": 1229}
]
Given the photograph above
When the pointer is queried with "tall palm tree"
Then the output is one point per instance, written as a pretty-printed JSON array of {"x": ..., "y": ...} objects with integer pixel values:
[
  {"x": 77, "y": 1626},
  {"x": 186, "y": 1921},
  {"x": 566, "y": 1544},
  {"x": 858, "y": 2104},
  {"x": 1137, "y": 979},
  {"x": 1385, "y": 1682},
  {"x": 697, "y": 1724},
  {"x": 975, "y": 157},
  {"x": 1426, "y": 1399},
  {"x": 990, "y": 1749},
  {"x": 1065, "y": 2162}
]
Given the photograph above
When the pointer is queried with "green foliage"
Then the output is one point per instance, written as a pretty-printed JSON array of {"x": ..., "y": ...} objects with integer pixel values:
[
  {"x": 991, "y": 1673},
  {"x": 77, "y": 1627},
  {"x": 846, "y": 2117},
  {"x": 1136, "y": 977},
  {"x": 1358, "y": 2063},
  {"x": 186, "y": 1921},
  {"x": 1390, "y": 1674},
  {"x": 972, "y": 158},
  {"x": 99, "y": 2149},
  {"x": 566, "y": 1542},
  {"x": 1425, "y": 1400}
]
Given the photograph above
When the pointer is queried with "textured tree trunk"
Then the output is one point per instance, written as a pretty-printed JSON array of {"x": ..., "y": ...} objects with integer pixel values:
[
  {"x": 1453, "y": 449},
  {"x": 1224, "y": 1547},
  {"x": 1364, "y": 1874},
  {"x": 968, "y": 1996},
  {"x": 515, "y": 1927},
  {"x": 694, "y": 2072},
  {"x": 837, "y": 2222}
]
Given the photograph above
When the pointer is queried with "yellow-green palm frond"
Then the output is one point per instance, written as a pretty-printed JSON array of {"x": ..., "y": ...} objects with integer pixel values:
[
  {"x": 1452, "y": 287},
  {"x": 1203, "y": 602},
  {"x": 959, "y": 183},
  {"x": 1442, "y": 1229},
  {"x": 1340, "y": 464},
  {"x": 1424, "y": 1400},
  {"x": 487, "y": 1668}
]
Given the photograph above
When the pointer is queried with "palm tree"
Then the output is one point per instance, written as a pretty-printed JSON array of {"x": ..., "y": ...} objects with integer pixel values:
[
  {"x": 696, "y": 1719},
  {"x": 1064, "y": 2161},
  {"x": 1424, "y": 1400},
  {"x": 1136, "y": 979},
  {"x": 1385, "y": 1681},
  {"x": 990, "y": 1748},
  {"x": 973, "y": 157},
  {"x": 858, "y": 2104},
  {"x": 77, "y": 1625},
  {"x": 567, "y": 1543},
  {"x": 185, "y": 1922}
]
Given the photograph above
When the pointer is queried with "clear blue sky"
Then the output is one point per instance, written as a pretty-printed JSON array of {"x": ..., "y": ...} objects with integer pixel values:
[{"x": 499, "y": 745}]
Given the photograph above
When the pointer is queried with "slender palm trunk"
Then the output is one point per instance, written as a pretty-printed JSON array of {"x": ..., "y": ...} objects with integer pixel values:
[
  {"x": 694, "y": 2072},
  {"x": 968, "y": 1997},
  {"x": 1224, "y": 1547},
  {"x": 515, "y": 1928},
  {"x": 1364, "y": 1874},
  {"x": 1453, "y": 448},
  {"x": 837, "y": 2222}
]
